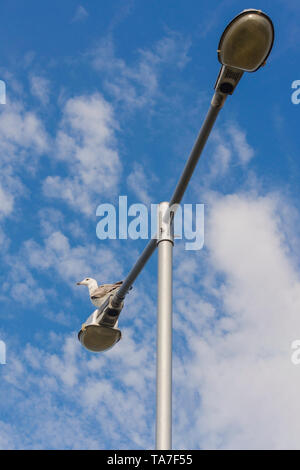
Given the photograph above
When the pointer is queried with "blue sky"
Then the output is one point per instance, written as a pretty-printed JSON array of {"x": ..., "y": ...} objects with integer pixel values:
[{"x": 106, "y": 99}]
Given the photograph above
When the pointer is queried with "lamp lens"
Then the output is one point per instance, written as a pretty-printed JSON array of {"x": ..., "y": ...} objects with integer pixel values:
[
  {"x": 247, "y": 42},
  {"x": 99, "y": 338}
]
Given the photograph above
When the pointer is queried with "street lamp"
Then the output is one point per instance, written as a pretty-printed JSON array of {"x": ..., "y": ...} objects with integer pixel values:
[
  {"x": 247, "y": 41},
  {"x": 100, "y": 332},
  {"x": 244, "y": 47}
]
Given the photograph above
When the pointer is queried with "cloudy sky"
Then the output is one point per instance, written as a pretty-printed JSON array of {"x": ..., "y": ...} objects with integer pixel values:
[{"x": 106, "y": 99}]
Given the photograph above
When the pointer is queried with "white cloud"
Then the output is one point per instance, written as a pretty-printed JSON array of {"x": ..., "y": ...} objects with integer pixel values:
[
  {"x": 19, "y": 284},
  {"x": 6, "y": 436},
  {"x": 221, "y": 160},
  {"x": 239, "y": 374},
  {"x": 139, "y": 183},
  {"x": 236, "y": 313},
  {"x": 6, "y": 202},
  {"x": 4, "y": 241},
  {"x": 80, "y": 14},
  {"x": 86, "y": 143},
  {"x": 37, "y": 273},
  {"x": 244, "y": 152},
  {"x": 72, "y": 390},
  {"x": 71, "y": 263},
  {"x": 138, "y": 85},
  {"x": 21, "y": 131},
  {"x": 40, "y": 88},
  {"x": 23, "y": 140},
  {"x": 230, "y": 148}
]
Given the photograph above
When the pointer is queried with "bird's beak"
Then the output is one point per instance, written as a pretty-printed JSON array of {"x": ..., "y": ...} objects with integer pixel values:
[{"x": 78, "y": 283}]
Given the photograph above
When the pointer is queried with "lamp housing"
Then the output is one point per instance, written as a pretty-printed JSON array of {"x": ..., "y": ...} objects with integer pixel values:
[
  {"x": 247, "y": 41},
  {"x": 100, "y": 331},
  {"x": 244, "y": 47}
]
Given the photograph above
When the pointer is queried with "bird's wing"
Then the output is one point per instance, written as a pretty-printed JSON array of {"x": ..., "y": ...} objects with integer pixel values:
[{"x": 105, "y": 289}]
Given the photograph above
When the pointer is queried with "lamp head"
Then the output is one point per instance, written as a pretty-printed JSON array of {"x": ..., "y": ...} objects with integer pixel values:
[
  {"x": 98, "y": 338},
  {"x": 247, "y": 41},
  {"x": 244, "y": 47},
  {"x": 100, "y": 331}
]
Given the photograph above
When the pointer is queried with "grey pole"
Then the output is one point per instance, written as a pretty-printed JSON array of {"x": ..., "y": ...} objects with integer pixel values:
[{"x": 165, "y": 242}]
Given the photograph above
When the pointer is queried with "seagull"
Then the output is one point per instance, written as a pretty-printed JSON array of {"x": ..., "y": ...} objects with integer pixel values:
[{"x": 99, "y": 294}]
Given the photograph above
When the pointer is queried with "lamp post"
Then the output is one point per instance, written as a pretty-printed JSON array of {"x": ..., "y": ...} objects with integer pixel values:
[
  {"x": 244, "y": 47},
  {"x": 165, "y": 242}
]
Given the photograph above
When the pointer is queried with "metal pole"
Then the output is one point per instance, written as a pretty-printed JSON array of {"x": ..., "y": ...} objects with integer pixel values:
[
  {"x": 215, "y": 107},
  {"x": 217, "y": 103},
  {"x": 165, "y": 242}
]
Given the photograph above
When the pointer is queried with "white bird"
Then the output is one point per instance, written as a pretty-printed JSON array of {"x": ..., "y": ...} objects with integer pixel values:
[{"x": 99, "y": 294}]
